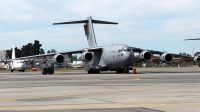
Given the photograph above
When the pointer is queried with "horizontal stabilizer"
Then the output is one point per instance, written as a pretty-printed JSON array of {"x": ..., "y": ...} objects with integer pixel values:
[
  {"x": 102, "y": 22},
  {"x": 85, "y": 21},
  {"x": 71, "y": 22},
  {"x": 88, "y": 28},
  {"x": 193, "y": 39}
]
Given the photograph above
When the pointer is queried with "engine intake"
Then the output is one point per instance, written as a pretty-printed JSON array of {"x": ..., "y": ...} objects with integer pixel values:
[
  {"x": 58, "y": 59},
  {"x": 86, "y": 56},
  {"x": 166, "y": 58},
  {"x": 145, "y": 55}
]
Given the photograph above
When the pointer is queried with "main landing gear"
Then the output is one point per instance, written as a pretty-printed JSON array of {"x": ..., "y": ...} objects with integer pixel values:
[
  {"x": 93, "y": 71},
  {"x": 19, "y": 70},
  {"x": 125, "y": 70}
]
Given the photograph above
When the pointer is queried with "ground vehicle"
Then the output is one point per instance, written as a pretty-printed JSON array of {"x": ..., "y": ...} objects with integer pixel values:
[{"x": 48, "y": 70}]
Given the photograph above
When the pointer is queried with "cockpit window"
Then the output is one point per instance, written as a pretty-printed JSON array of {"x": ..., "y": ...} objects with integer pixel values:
[{"x": 120, "y": 50}]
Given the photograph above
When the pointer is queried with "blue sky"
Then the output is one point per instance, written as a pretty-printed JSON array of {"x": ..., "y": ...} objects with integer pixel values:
[{"x": 148, "y": 24}]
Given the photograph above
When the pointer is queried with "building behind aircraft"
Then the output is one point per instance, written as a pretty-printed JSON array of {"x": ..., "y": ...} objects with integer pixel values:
[{"x": 3, "y": 57}]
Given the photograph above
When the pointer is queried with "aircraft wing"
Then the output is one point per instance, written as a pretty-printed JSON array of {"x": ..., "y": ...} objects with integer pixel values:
[
  {"x": 34, "y": 56},
  {"x": 139, "y": 50},
  {"x": 42, "y": 56},
  {"x": 94, "y": 49}
]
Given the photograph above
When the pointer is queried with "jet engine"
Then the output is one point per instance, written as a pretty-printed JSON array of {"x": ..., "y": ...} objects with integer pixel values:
[
  {"x": 166, "y": 58},
  {"x": 86, "y": 56},
  {"x": 145, "y": 55},
  {"x": 58, "y": 59},
  {"x": 197, "y": 59}
]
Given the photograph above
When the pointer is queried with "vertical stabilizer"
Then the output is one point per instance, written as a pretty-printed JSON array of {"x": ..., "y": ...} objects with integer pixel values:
[
  {"x": 13, "y": 52},
  {"x": 88, "y": 27},
  {"x": 89, "y": 33}
]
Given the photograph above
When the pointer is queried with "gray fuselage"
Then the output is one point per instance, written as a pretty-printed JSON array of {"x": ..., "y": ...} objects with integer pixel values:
[{"x": 114, "y": 57}]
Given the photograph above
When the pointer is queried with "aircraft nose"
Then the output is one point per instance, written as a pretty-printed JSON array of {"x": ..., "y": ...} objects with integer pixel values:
[{"x": 129, "y": 58}]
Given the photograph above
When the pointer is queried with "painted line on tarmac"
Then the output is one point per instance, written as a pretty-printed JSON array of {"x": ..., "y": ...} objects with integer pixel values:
[
  {"x": 81, "y": 93},
  {"x": 93, "y": 106},
  {"x": 137, "y": 79}
]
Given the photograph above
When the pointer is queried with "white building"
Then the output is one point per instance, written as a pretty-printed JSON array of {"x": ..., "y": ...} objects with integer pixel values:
[{"x": 3, "y": 58}]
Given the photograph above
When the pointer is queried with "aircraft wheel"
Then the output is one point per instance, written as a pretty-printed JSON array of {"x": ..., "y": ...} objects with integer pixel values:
[
  {"x": 11, "y": 70},
  {"x": 98, "y": 71},
  {"x": 89, "y": 71},
  {"x": 119, "y": 71},
  {"x": 126, "y": 70}
]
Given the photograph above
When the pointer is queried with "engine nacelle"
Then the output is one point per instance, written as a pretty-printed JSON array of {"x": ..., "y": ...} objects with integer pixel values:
[
  {"x": 86, "y": 56},
  {"x": 197, "y": 59},
  {"x": 166, "y": 58},
  {"x": 58, "y": 59},
  {"x": 145, "y": 55}
]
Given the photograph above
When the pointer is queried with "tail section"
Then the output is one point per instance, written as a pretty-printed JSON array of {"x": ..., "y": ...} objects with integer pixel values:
[
  {"x": 88, "y": 27},
  {"x": 13, "y": 52}
]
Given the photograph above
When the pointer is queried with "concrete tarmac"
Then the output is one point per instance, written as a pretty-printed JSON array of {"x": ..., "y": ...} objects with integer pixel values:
[{"x": 150, "y": 90}]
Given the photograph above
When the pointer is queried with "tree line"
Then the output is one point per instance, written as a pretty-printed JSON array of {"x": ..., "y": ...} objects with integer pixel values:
[{"x": 29, "y": 50}]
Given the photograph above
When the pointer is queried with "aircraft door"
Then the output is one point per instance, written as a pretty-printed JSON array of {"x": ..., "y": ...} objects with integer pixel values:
[{"x": 96, "y": 61}]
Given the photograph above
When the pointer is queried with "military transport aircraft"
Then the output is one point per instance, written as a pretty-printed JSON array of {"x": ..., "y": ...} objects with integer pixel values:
[
  {"x": 197, "y": 57},
  {"x": 15, "y": 64},
  {"x": 115, "y": 57}
]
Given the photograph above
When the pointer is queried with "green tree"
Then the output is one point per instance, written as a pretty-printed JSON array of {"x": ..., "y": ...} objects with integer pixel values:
[
  {"x": 31, "y": 49},
  {"x": 48, "y": 51},
  {"x": 36, "y": 47},
  {"x": 27, "y": 50},
  {"x": 17, "y": 53},
  {"x": 53, "y": 51},
  {"x": 42, "y": 51},
  {"x": 74, "y": 57},
  {"x": 185, "y": 54},
  {"x": 9, "y": 53}
]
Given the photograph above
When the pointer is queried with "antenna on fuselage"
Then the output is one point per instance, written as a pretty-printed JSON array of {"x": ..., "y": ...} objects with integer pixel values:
[{"x": 88, "y": 27}]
